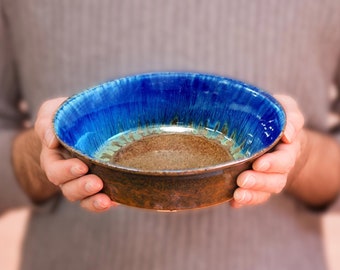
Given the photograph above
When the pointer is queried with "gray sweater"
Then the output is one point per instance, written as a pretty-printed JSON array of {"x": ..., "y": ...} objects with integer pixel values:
[{"x": 59, "y": 47}]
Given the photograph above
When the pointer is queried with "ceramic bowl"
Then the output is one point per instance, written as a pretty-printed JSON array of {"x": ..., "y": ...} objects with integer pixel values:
[{"x": 170, "y": 141}]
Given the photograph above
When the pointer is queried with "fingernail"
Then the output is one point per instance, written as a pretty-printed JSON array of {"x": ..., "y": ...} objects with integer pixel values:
[
  {"x": 242, "y": 196},
  {"x": 236, "y": 205},
  {"x": 78, "y": 170},
  {"x": 249, "y": 181},
  {"x": 98, "y": 204},
  {"x": 91, "y": 187},
  {"x": 49, "y": 137},
  {"x": 262, "y": 166}
]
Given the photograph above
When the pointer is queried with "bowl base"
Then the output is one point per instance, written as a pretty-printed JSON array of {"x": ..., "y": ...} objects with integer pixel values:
[{"x": 171, "y": 152}]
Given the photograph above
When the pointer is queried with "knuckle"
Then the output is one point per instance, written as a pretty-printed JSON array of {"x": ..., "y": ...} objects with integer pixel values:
[
  {"x": 286, "y": 100},
  {"x": 52, "y": 177},
  {"x": 87, "y": 204},
  {"x": 301, "y": 120},
  {"x": 74, "y": 190},
  {"x": 40, "y": 126},
  {"x": 260, "y": 197},
  {"x": 70, "y": 198},
  {"x": 277, "y": 190},
  {"x": 44, "y": 106},
  {"x": 281, "y": 183},
  {"x": 298, "y": 118},
  {"x": 67, "y": 194},
  {"x": 290, "y": 162},
  {"x": 286, "y": 159}
]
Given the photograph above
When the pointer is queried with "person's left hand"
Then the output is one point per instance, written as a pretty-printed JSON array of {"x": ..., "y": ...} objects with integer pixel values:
[{"x": 270, "y": 172}]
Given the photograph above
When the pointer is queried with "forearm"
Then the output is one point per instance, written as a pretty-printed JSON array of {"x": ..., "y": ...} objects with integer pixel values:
[
  {"x": 315, "y": 179},
  {"x": 26, "y": 165}
]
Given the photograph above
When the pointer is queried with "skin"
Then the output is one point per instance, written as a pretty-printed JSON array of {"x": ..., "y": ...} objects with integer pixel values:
[{"x": 296, "y": 166}]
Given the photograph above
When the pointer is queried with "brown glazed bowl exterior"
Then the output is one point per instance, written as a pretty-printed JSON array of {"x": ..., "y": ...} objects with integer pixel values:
[{"x": 168, "y": 191}]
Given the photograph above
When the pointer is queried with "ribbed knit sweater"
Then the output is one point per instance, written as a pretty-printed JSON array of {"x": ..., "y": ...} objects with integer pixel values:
[{"x": 59, "y": 47}]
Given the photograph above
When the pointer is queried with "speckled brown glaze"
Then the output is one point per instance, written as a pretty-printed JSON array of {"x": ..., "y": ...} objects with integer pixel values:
[{"x": 174, "y": 151}]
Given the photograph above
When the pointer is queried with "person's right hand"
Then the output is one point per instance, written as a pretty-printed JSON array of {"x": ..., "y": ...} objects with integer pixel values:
[
  {"x": 273, "y": 171},
  {"x": 69, "y": 174}
]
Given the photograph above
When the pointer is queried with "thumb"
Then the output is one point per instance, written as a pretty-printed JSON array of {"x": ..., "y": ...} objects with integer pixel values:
[{"x": 44, "y": 123}]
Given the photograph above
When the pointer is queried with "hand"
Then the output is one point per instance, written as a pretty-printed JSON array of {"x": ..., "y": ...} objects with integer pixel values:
[
  {"x": 270, "y": 172},
  {"x": 69, "y": 174}
]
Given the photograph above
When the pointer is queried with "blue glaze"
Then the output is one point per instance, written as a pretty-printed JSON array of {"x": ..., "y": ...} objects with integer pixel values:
[{"x": 248, "y": 115}]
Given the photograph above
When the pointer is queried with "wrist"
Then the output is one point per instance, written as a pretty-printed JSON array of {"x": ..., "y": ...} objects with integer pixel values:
[
  {"x": 314, "y": 180},
  {"x": 303, "y": 145},
  {"x": 26, "y": 151}
]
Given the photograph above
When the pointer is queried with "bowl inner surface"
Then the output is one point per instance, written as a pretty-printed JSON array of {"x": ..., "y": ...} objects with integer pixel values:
[
  {"x": 170, "y": 121},
  {"x": 170, "y": 151}
]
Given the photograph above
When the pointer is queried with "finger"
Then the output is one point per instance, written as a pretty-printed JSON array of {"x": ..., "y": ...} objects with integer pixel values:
[
  {"x": 282, "y": 160},
  {"x": 44, "y": 126},
  {"x": 265, "y": 182},
  {"x": 244, "y": 197},
  {"x": 80, "y": 188},
  {"x": 59, "y": 170},
  {"x": 294, "y": 125},
  {"x": 98, "y": 203},
  {"x": 295, "y": 119},
  {"x": 235, "y": 204}
]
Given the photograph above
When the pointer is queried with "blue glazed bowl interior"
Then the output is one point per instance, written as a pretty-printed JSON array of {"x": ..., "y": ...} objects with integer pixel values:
[{"x": 251, "y": 118}]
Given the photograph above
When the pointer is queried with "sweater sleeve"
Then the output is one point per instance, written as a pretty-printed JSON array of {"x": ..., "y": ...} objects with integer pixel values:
[
  {"x": 335, "y": 122},
  {"x": 335, "y": 107},
  {"x": 11, "y": 121}
]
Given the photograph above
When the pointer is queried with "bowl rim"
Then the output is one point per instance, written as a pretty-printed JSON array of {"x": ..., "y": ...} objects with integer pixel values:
[{"x": 183, "y": 172}]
